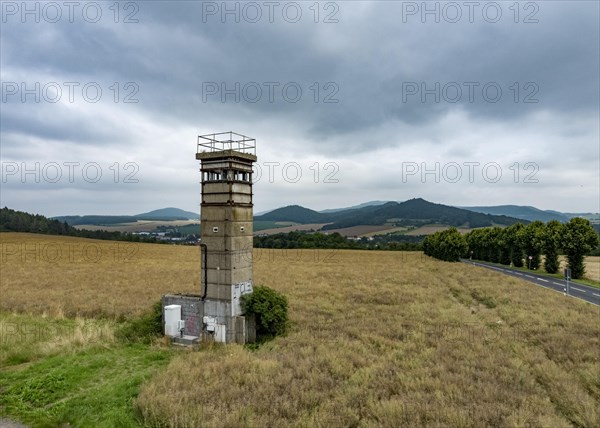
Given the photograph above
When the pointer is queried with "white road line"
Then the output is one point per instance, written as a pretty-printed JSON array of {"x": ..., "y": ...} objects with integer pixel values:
[{"x": 544, "y": 280}]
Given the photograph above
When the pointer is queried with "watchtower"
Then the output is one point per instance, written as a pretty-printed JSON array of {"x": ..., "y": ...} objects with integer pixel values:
[{"x": 226, "y": 232}]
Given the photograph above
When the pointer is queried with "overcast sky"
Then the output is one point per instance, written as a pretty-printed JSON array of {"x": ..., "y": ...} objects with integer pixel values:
[{"x": 483, "y": 103}]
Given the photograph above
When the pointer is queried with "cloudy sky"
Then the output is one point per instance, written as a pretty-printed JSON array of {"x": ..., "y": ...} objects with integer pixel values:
[{"x": 460, "y": 103}]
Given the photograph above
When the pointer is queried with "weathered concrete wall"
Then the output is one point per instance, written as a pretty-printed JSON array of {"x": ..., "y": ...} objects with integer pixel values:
[
  {"x": 239, "y": 329},
  {"x": 227, "y": 226},
  {"x": 227, "y": 212},
  {"x": 191, "y": 311}
]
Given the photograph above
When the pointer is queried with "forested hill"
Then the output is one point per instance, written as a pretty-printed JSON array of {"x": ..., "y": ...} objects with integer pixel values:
[
  {"x": 412, "y": 212},
  {"x": 170, "y": 213},
  {"x": 19, "y": 221},
  {"x": 297, "y": 214},
  {"x": 418, "y": 211},
  {"x": 163, "y": 214},
  {"x": 522, "y": 212}
]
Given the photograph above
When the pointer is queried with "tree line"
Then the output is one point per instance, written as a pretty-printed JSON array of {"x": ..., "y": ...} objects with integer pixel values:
[
  {"x": 337, "y": 241},
  {"x": 520, "y": 245},
  {"x": 19, "y": 221}
]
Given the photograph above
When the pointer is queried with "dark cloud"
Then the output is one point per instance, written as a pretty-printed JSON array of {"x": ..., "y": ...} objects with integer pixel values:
[{"x": 361, "y": 81}]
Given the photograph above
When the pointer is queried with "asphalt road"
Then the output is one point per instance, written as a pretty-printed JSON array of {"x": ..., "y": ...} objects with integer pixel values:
[{"x": 581, "y": 291}]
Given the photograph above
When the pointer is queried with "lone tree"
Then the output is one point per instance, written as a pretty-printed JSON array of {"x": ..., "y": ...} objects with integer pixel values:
[
  {"x": 579, "y": 239},
  {"x": 553, "y": 234}
]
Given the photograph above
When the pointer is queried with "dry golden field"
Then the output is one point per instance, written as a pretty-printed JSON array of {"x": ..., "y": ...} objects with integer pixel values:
[
  {"x": 75, "y": 276},
  {"x": 377, "y": 339},
  {"x": 293, "y": 228},
  {"x": 592, "y": 267},
  {"x": 139, "y": 226}
]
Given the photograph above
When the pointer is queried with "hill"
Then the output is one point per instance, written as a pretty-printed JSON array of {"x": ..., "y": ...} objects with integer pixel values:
[
  {"x": 414, "y": 212},
  {"x": 521, "y": 212},
  {"x": 168, "y": 214},
  {"x": 296, "y": 214},
  {"x": 100, "y": 220},
  {"x": 417, "y": 212},
  {"x": 20, "y": 221},
  {"x": 365, "y": 204},
  {"x": 163, "y": 214}
]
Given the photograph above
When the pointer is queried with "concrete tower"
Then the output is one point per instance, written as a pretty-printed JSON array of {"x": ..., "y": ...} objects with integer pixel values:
[{"x": 226, "y": 222}]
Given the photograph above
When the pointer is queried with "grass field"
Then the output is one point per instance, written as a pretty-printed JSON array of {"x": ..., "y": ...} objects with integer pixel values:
[
  {"x": 430, "y": 229},
  {"x": 73, "y": 276},
  {"x": 377, "y": 339},
  {"x": 364, "y": 230},
  {"x": 286, "y": 229},
  {"x": 259, "y": 225},
  {"x": 396, "y": 230},
  {"x": 71, "y": 372},
  {"x": 139, "y": 226}
]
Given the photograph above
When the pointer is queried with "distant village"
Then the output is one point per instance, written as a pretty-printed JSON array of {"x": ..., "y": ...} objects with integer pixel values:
[{"x": 171, "y": 235}]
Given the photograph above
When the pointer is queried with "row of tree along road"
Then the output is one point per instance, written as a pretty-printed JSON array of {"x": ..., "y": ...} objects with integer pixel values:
[{"x": 520, "y": 245}]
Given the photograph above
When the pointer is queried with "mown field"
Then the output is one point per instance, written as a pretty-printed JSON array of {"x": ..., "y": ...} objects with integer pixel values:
[{"x": 377, "y": 339}]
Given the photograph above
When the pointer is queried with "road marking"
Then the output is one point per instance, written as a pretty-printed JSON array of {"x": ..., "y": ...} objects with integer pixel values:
[{"x": 562, "y": 285}]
